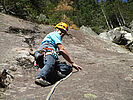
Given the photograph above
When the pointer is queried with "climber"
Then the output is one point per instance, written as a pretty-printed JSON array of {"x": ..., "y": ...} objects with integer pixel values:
[{"x": 48, "y": 55}]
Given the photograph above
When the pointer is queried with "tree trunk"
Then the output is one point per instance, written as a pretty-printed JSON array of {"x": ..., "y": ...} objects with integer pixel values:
[
  {"x": 96, "y": 1},
  {"x": 118, "y": 19},
  {"x": 121, "y": 16},
  {"x": 105, "y": 18},
  {"x": 111, "y": 24},
  {"x": 4, "y": 7}
]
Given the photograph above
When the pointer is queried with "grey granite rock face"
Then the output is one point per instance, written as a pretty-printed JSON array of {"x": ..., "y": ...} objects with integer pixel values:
[
  {"x": 107, "y": 69},
  {"x": 87, "y": 30}
]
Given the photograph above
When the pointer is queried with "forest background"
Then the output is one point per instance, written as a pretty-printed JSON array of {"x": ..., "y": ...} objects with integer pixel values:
[{"x": 100, "y": 15}]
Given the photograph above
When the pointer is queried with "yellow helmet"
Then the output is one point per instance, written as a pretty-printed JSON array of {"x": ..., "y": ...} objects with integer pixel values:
[{"x": 62, "y": 25}]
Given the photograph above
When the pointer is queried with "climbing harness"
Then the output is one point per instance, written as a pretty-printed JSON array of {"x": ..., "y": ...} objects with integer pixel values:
[
  {"x": 41, "y": 53},
  {"x": 56, "y": 84},
  {"x": 49, "y": 51}
]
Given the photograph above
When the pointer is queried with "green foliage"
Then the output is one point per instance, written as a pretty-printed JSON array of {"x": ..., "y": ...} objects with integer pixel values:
[
  {"x": 99, "y": 16},
  {"x": 128, "y": 11}
]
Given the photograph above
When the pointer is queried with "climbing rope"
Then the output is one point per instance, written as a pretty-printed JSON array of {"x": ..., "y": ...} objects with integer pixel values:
[{"x": 56, "y": 84}]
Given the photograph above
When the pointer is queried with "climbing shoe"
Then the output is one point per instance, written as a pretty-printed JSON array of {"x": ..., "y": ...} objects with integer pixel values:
[{"x": 42, "y": 82}]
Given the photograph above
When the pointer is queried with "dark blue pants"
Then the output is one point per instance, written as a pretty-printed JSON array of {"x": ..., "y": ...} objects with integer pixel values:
[{"x": 49, "y": 62}]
